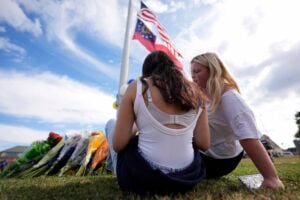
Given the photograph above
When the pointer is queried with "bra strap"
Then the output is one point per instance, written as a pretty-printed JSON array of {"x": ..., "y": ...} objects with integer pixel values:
[{"x": 149, "y": 95}]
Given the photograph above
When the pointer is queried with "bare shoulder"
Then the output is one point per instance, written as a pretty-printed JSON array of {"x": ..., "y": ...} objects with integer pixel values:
[
  {"x": 132, "y": 86},
  {"x": 131, "y": 90}
]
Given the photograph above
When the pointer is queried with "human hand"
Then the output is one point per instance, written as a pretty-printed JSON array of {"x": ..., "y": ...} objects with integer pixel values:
[{"x": 274, "y": 183}]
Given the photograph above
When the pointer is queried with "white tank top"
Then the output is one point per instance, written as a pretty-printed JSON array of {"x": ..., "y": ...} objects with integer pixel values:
[
  {"x": 163, "y": 146},
  {"x": 164, "y": 118}
]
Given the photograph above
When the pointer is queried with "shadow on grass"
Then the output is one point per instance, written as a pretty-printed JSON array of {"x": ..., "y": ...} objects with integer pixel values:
[
  {"x": 106, "y": 187},
  {"x": 60, "y": 188},
  {"x": 102, "y": 188}
]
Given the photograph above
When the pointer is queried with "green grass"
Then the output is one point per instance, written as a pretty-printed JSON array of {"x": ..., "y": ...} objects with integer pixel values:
[{"x": 105, "y": 186}]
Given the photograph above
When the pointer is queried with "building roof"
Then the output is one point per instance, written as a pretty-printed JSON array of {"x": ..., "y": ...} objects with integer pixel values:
[{"x": 16, "y": 149}]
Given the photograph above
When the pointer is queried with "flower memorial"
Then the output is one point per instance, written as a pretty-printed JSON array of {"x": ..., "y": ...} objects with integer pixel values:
[{"x": 57, "y": 155}]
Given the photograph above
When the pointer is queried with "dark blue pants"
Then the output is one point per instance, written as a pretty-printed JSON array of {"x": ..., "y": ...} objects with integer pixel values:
[
  {"x": 135, "y": 174},
  {"x": 216, "y": 168}
]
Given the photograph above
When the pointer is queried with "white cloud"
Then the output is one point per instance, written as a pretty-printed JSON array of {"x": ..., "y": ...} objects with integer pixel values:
[
  {"x": 284, "y": 77},
  {"x": 258, "y": 41},
  {"x": 177, "y": 5},
  {"x": 10, "y": 47},
  {"x": 104, "y": 21},
  {"x": 204, "y": 2},
  {"x": 95, "y": 63},
  {"x": 276, "y": 119},
  {"x": 11, "y": 135},
  {"x": 242, "y": 31},
  {"x": 20, "y": 134},
  {"x": 11, "y": 13},
  {"x": 170, "y": 7},
  {"x": 53, "y": 99}
]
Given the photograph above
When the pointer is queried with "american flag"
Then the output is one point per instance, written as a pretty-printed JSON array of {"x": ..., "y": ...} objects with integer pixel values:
[{"x": 148, "y": 39}]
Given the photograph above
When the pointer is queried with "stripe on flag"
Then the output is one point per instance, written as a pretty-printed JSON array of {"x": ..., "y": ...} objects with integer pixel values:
[{"x": 148, "y": 39}]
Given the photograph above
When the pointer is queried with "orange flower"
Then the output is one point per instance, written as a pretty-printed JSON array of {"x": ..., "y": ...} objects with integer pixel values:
[{"x": 100, "y": 155}]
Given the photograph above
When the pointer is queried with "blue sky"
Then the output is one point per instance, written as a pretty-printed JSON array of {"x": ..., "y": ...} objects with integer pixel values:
[{"x": 60, "y": 60}]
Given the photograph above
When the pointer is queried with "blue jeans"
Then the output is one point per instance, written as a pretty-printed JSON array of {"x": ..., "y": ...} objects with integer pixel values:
[{"x": 111, "y": 160}]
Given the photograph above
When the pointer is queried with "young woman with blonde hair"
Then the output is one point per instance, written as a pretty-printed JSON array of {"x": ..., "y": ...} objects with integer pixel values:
[{"x": 232, "y": 123}]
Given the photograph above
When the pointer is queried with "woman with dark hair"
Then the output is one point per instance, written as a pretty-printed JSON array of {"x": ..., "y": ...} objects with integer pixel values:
[{"x": 171, "y": 120}]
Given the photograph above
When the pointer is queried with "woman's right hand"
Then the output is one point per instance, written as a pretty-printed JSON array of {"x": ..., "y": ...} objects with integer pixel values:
[{"x": 263, "y": 163}]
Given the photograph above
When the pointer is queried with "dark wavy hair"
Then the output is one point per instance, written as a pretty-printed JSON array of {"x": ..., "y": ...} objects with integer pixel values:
[{"x": 172, "y": 84}]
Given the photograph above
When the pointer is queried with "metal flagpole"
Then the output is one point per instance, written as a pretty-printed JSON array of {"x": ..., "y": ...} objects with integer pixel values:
[{"x": 126, "y": 52}]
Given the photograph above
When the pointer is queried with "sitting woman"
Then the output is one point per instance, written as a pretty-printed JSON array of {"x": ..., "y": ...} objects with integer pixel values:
[
  {"x": 168, "y": 112},
  {"x": 232, "y": 123}
]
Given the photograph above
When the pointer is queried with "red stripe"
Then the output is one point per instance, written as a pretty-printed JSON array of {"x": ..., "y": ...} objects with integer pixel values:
[
  {"x": 164, "y": 36},
  {"x": 146, "y": 15},
  {"x": 161, "y": 30},
  {"x": 150, "y": 46},
  {"x": 175, "y": 57}
]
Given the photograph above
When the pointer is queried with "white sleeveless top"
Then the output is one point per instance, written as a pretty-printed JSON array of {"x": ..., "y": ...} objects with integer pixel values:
[
  {"x": 164, "y": 118},
  {"x": 163, "y": 146}
]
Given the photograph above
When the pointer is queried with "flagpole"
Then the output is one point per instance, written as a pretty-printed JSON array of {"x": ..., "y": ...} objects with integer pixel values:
[{"x": 126, "y": 52}]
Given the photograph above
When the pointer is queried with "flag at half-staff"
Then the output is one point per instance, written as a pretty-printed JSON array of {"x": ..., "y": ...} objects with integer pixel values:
[{"x": 153, "y": 42}]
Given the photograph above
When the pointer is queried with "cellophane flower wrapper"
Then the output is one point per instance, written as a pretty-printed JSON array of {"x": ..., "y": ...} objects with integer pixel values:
[
  {"x": 27, "y": 159},
  {"x": 64, "y": 155},
  {"x": 31, "y": 155},
  {"x": 40, "y": 170},
  {"x": 41, "y": 165},
  {"x": 78, "y": 155},
  {"x": 95, "y": 141},
  {"x": 35, "y": 150},
  {"x": 53, "y": 139}
]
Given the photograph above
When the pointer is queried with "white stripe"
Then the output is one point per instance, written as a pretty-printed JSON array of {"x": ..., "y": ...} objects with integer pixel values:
[{"x": 147, "y": 15}]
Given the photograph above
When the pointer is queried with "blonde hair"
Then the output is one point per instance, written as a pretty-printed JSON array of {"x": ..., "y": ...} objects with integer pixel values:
[{"x": 219, "y": 76}]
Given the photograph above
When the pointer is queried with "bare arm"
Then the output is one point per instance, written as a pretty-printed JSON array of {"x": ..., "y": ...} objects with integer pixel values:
[
  {"x": 263, "y": 163},
  {"x": 125, "y": 120},
  {"x": 201, "y": 132}
]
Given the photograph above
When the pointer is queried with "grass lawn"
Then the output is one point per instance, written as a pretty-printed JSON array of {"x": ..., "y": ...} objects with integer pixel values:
[{"x": 105, "y": 186}]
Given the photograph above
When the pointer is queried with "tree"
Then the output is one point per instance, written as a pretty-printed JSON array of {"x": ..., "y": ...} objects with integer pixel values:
[{"x": 297, "y": 118}]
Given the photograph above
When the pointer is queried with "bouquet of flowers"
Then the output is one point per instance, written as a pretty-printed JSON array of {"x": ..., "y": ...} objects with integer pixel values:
[
  {"x": 32, "y": 155},
  {"x": 96, "y": 140},
  {"x": 78, "y": 155},
  {"x": 64, "y": 155},
  {"x": 45, "y": 163},
  {"x": 99, "y": 156}
]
